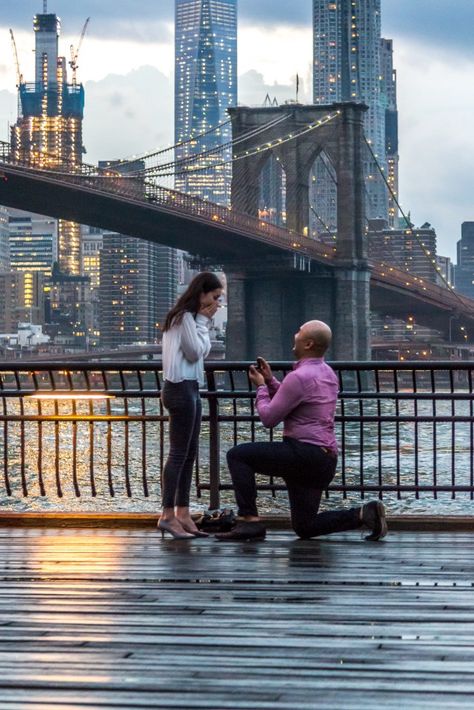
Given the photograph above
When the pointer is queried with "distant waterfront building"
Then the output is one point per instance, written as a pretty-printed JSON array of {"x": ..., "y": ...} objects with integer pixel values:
[
  {"x": 445, "y": 269},
  {"x": 48, "y": 131},
  {"x": 205, "y": 86},
  {"x": 91, "y": 247},
  {"x": 347, "y": 67},
  {"x": 32, "y": 242},
  {"x": 22, "y": 299},
  {"x": 70, "y": 307},
  {"x": 412, "y": 250},
  {"x": 465, "y": 260},
  {"x": 4, "y": 243},
  {"x": 138, "y": 282}
]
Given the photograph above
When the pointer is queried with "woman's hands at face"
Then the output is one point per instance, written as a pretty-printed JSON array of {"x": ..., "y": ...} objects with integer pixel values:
[{"x": 210, "y": 310}]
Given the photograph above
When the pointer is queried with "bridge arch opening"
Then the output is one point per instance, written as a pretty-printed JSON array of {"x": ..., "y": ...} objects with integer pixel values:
[
  {"x": 323, "y": 199},
  {"x": 272, "y": 192}
]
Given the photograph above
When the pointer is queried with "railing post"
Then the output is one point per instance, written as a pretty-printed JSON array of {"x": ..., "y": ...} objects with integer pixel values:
[{"x": 214, "y": 442}]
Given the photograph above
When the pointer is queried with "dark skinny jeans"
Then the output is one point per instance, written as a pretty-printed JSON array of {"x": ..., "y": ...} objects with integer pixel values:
[
  {"x": 306, "y": 469},
  {"x": 183, "y": 403}
]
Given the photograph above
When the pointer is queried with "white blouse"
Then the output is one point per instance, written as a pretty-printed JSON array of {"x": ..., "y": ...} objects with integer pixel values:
[{"x": 184, "y": 348}]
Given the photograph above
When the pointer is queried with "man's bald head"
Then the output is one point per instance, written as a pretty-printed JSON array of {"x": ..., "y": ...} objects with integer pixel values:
[{"x": 313, "y": 339}]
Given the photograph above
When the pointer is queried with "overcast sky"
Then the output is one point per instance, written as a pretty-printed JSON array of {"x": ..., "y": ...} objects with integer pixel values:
[{"x": 126, "y": 64}]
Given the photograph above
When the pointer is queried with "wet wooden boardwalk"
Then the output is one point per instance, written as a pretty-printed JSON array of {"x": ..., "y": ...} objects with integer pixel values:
[{"x": 119, "y": 619}]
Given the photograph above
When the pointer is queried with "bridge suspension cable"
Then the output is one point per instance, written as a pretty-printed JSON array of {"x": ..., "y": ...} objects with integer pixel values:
[
  {"x": 409, "y": 228},
  {"x": 265, "y": 147},
  {"x": 195, "y": 157}
]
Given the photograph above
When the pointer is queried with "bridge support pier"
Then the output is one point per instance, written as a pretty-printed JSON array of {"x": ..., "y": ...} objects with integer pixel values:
[{"x": 265, "y": 312}]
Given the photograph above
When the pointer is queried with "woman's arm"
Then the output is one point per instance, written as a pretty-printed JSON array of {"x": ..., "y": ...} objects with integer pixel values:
[{"x": 195, "y": 341}]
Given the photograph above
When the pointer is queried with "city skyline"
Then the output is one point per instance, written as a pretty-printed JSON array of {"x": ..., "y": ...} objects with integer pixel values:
[{"x": 436, "y": 188}]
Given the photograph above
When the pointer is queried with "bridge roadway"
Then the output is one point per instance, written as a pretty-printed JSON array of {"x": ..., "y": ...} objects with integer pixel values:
[{"x": 130, "y": 206}]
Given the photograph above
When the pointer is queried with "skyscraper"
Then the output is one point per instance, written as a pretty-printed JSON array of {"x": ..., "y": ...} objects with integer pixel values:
[
  {"x": 4, "y": 247},
  {"x": 135, "y": 289},
  {"x": 465, "y": 262},
  {"x": 389, "y": 96},
  {"x": 137, "y": 283},
  {"x": 48, "y": 132},
  {"x": 205, "y": 86},
  {"x": 347, "y": 67}
]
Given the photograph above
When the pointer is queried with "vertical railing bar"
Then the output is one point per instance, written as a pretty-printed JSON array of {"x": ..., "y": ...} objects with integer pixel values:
[
  {"x": 471, "y": 436},
  {"x": 91, "y": 431},
  {"x": 57, "y": 471},
  {"x": 143, "y": 437},
  {"x": 435, "y": 434},
  {"x": 75, "y": 481},
  {"x": 39, "y": 455},
  {"x": 361, "y": 434},
  {"x": 234, "y": 405},
  {"x": 453, "y": 434},
  {"x": 343, "y": 435},
  {"x": 6, "y": 476},
  {"x": 214, "y": 441},
  {"x": 126, "y": 435},
  {"x": 24, "y": 485},
  {"x": 379, "y": 431},
  {"x": 397, "y": 434},
  {"x": 109, "y": 448},
  {"x": 162, "y": 433},
  {"x": 415, "y": 416}
]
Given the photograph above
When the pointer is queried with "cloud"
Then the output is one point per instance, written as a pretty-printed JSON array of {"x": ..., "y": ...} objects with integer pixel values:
[
  {"x": 253, "y": 89},
  {"x": 445, "y": 24},
  {"x": 8, "y": 109},
  {"x": 128, "y": 115},
  {"x": 436, "y": 143},
  {"x": 133, "y": 19}
]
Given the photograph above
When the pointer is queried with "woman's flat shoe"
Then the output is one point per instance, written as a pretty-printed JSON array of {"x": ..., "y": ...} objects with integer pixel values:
[{"x": 166, "y": 527}]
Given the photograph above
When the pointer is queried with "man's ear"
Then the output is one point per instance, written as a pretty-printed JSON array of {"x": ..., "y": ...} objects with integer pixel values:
[{"x": 309, "y": 345}]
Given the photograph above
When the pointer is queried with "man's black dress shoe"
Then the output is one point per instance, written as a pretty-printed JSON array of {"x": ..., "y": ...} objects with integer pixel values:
[
  {"x": 243, "y": 531},
  {"x": 373, "y": 516}
]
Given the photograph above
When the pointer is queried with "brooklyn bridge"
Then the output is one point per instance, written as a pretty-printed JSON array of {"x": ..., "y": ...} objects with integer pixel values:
[{"x": 277, "y": 276}]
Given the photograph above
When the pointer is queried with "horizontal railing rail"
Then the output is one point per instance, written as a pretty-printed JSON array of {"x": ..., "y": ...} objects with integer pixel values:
[{"x": 98, "y": 430}]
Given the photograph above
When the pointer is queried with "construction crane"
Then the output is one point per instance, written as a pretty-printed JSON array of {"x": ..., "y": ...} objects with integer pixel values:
[
  {"x": 75, "y": 53},
  {"x": 19, "y": 77}
]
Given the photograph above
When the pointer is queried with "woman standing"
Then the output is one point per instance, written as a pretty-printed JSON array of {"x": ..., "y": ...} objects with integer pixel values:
[{"x": 185, "y": 345}]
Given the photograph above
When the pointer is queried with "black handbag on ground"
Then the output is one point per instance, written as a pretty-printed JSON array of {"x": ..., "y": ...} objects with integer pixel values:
[{"x": 216, "y": 521}]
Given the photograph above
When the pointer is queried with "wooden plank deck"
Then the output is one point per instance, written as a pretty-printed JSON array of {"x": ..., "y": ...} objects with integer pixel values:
[{"x": 98, "y": 618}]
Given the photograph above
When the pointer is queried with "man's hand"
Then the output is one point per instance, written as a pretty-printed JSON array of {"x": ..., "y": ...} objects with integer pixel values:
[
  {"x": 265, "y": 369},
  {"x": 255, "y": 376}
]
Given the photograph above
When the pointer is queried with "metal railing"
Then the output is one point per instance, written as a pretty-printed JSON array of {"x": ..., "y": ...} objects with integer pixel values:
[{"x": 98, "y": 430}]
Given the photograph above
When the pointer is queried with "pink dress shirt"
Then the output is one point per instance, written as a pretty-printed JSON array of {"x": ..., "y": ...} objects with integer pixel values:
[{"x": 305, "y": 402}]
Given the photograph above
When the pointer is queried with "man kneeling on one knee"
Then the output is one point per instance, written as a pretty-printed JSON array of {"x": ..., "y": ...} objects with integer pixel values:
[{"x": 305, "y": 401}]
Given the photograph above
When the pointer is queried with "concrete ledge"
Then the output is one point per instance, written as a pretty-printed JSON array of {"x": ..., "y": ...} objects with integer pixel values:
[{"x": 441, "y": 523}]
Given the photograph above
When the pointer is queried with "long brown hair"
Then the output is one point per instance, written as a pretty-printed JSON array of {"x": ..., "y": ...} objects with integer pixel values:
[{"x": 190, "y": 300}]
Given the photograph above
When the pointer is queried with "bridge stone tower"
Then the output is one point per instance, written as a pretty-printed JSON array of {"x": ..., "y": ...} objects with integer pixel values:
[{"x": 267, "y": 302}]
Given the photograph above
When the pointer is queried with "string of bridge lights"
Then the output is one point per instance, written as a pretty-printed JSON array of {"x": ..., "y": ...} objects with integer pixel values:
[
  {"x": 191, "y": 139},
  {"x": 409, "y": 229},
  {"x": 222, "y": 147},
  {"x": 258, "y": 150}
]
